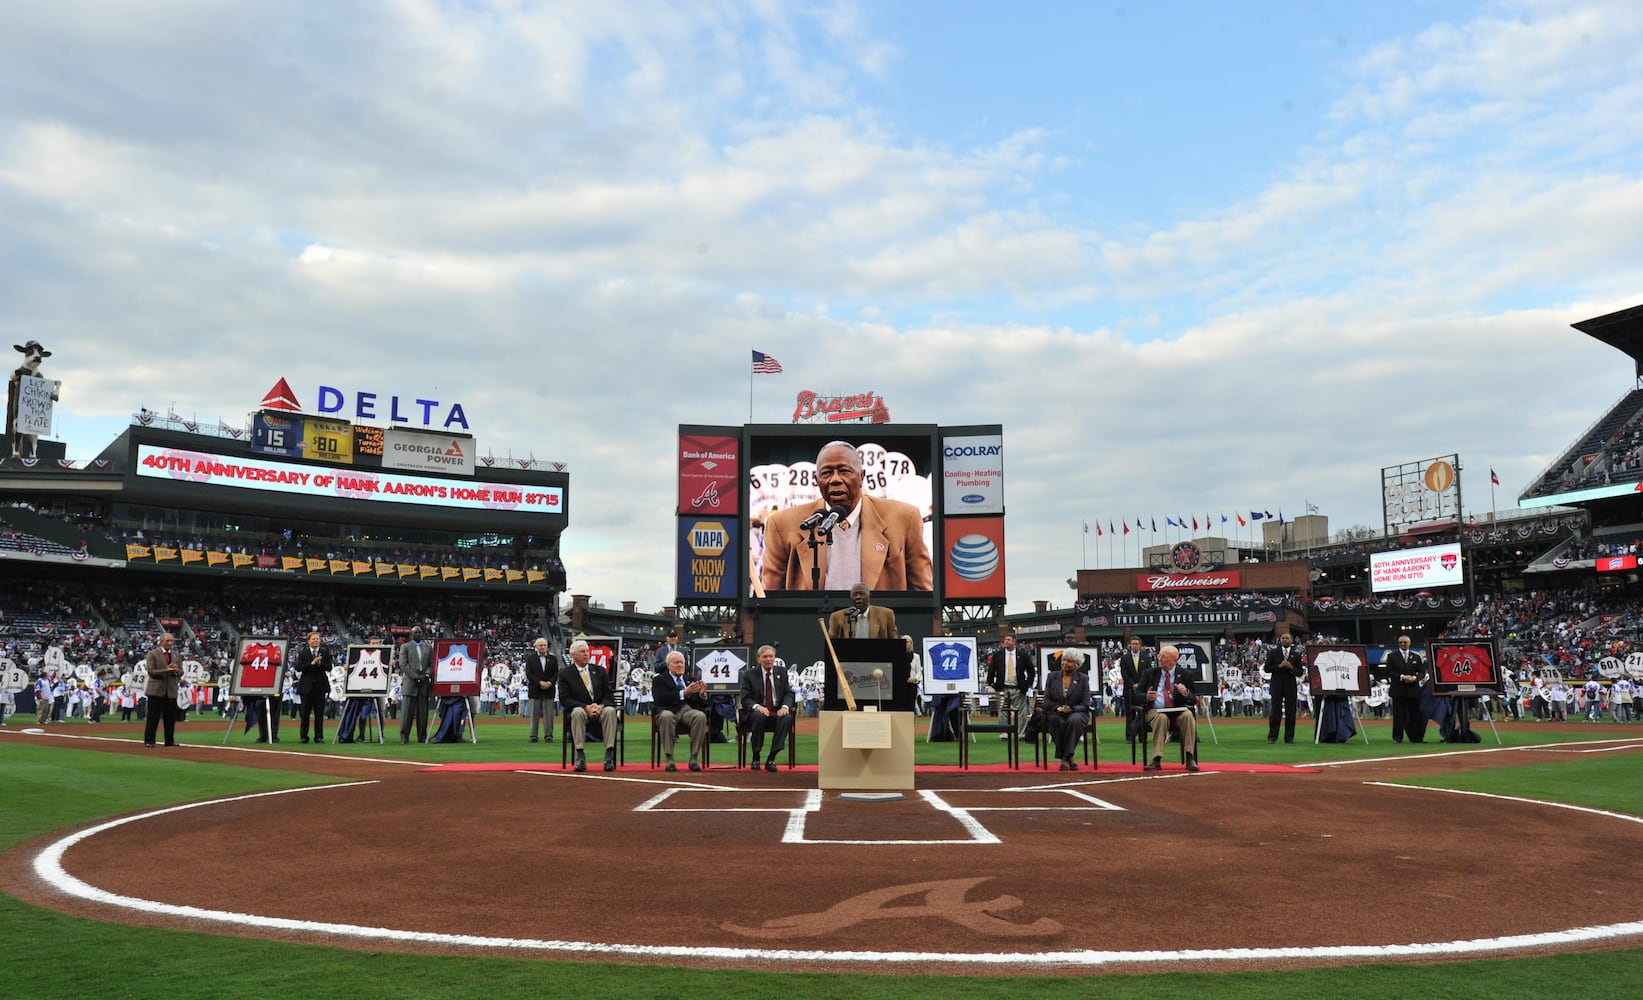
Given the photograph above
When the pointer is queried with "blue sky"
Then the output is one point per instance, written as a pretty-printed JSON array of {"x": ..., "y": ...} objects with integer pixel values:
[{"x": 1193, "y": 256}]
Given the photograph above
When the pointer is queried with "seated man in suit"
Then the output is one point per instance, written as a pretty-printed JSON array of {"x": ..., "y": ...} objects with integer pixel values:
[
  {"x": 862, "y": 620},
  {"x": 585, "y": 694},
  {"x": 767, "y": 703},
  {"x": 1164, "y": 688},
  {"x": 680, "y": 695},
  {"x": 1067, "y": 703}
]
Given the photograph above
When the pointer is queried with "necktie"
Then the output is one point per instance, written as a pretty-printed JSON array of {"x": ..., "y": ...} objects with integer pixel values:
[
  {"x": 587, "y": 682},
  {"x": 769, "y": 691},
  {"x": 1169, "y": 689},
  {"x": 1009, "y": 669}
]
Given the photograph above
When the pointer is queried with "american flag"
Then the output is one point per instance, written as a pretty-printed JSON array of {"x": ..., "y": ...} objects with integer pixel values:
[{"x": 764, "y": 364}]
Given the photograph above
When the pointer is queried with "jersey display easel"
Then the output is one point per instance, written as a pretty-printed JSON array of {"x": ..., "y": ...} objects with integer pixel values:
[
  {"x": 1337, "y": 676},
  {"x": 364, "y": 684},
  {"x": 456, "y": 678},
  {"x": 1463, "y": 670},
  {"x": 259, "y": 672}
]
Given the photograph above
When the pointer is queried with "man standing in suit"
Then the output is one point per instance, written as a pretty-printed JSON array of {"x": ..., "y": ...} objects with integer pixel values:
[
  {"x": 680, "y": 696},
  {"x": 1166, "y": 697},
  {"x": 415, "y": 661},
  {"x": 862, "y": 619},
  {"x": 1010, "y": 673},
  {"x": 585, "y": 693},
  {"x": 541, "y": 674},
  {"x": 767, "y": 703},
  {"x": 164, "y": 671},
  {"x": 313, "y": 684},
  {"x": 1131, "y": 666},
  {"x": 878, "y": 542},
  {"x": 1408, "y": 676},
  {"x": 1286, "y": 665}
]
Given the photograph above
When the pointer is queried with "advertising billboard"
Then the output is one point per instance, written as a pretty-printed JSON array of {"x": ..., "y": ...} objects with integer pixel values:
[
  {"x": 972, "y": 474},
  {"x": 710, "y": 475},
  {"x": 974, "y": 557},
  {"x": 1416, "y": 569},
  {"x": 708, "y": 565},
  {"x": 427, "y": 451}
]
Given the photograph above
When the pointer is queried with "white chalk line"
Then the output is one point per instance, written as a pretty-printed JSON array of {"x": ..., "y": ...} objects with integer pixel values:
[
  {"x": 1540, "y": 747},
  {"x": 159, "y": 752},
  {"x": 48, "y": 866}
]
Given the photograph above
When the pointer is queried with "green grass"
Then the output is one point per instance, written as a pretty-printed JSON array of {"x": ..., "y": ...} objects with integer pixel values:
[{"x": 48, "y": 788}]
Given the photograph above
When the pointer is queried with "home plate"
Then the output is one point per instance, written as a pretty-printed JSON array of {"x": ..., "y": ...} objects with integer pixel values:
[{"x": 871, "y": 796}]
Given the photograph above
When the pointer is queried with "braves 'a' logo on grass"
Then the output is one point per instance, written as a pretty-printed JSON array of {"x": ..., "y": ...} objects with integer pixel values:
[{"x": 943, "y": 900}]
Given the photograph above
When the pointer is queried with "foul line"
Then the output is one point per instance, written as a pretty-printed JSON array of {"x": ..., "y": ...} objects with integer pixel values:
[
  {"x": 304, "y": 754},
  {"x": 1481, "y": 750}
]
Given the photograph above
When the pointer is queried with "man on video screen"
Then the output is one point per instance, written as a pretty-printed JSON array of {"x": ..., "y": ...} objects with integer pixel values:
[{"x": 877, "y": 542}]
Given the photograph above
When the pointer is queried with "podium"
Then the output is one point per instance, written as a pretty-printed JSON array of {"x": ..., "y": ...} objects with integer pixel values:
[
  {"x": 865, "y": 750},
  {"x": 871, "y": 749}
]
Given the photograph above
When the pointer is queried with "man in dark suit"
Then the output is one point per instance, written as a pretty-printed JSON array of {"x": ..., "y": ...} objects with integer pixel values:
[
  {"x": 767, "y": 703},
  {"x": 1285, "y": 664},
  {"x": 862, "y": 619},
  {"x": 879, "y": 542},
  {"x": 1407, "y": 673},
  {"x": 1166, "y": 698},
  {"x": 541, "y": 674},
  {"x": 313, "y": 665},
  {"x": 585, "y": 694},
  {"x": 415, "y": 662},
  {"x": 679, "y": 695},
  {"x": 1010, "y": 673},
  {"x": 1131, "y": 666}
]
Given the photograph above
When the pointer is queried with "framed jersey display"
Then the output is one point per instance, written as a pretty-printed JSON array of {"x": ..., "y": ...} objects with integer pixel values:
[
  {"x": 1338, "y": 670},
  {"x": 259, "y": 668},
  {"x": 950, "y": 665},
  {"x": 721, "y": 667},
  {"x": 367, "y": 671},
  {"x": 456, "y": 666},
  {"x": 1464, "y": 666}
]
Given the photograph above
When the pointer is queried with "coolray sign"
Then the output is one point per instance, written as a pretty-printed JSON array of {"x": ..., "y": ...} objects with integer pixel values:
[
  {"x": 812, "y": 408},
  {"x": 972, "y": 474},
  {"x": 1410, "y": 569},
  {"x": 425, "y": 451},
  {"x": 1152, "y": 583},
  {"x": 314, "y": 481},
  {"x": 366, "y": 405}
]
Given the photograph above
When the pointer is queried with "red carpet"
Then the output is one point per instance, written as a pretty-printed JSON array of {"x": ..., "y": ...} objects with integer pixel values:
[{"x": 1107, "y": 768}]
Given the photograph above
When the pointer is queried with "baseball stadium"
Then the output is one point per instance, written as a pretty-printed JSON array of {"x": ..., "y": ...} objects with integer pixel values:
[{"x": 1453, "y": 815}]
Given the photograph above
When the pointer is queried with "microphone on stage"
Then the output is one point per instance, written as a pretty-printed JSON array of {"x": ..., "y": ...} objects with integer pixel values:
[
  {"x": 833, "y": 518},
  {"x": 813, "y": 520},
  {"x": 852, "y": 613}
]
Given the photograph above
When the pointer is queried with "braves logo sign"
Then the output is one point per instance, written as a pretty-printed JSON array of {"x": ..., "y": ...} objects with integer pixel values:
[{"x": 1448, "y": 560}]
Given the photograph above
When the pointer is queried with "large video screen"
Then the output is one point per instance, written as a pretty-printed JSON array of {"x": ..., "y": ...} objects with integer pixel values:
[
  {"x": 894, "y": 539},
  {"x": 1416, "y": 569}
]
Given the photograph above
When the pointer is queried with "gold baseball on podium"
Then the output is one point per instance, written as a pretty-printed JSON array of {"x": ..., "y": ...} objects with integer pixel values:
[{"x": 878, "y": 673}]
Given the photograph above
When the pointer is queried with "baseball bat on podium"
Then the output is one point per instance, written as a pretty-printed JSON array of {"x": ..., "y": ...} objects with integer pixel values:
[{"x": 838, "y": 668}]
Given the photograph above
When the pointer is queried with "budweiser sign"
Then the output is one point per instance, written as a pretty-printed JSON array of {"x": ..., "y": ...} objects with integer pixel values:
[
  {"x": 812, "y": 408},
  {"x": 1153, "y": 583}
]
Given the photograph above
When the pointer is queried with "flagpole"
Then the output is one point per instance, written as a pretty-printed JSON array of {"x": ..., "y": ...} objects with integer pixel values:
[
  {"x": 750, "y": 389},
  {"x": 1085, "y": 561}
]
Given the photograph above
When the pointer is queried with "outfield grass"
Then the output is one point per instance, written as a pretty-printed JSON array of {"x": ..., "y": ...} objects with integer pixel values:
[{"x": 52, "y": 955}]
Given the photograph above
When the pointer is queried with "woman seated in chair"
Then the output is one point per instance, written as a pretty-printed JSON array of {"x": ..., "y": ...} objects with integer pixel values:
[{"x": 1067, "y": 707}]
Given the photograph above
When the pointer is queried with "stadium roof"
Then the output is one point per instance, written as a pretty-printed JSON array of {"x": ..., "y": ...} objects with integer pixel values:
[{"x": 1621, "y": 330}]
